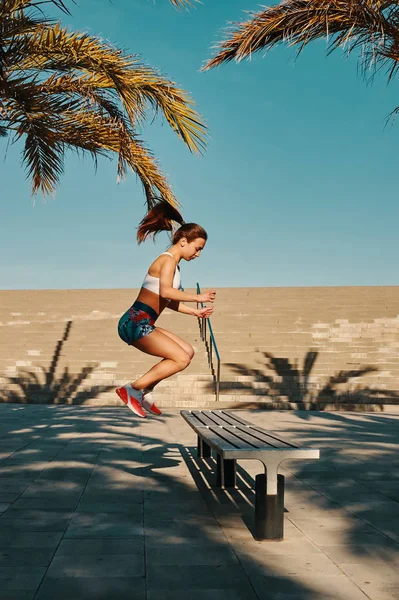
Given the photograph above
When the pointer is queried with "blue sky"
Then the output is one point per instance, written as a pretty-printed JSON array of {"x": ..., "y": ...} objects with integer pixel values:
[{"x": 298, "y": 186}]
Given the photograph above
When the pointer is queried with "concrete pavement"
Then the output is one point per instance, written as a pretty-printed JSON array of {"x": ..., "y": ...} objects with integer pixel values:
[{"x": 98, "y": 504}]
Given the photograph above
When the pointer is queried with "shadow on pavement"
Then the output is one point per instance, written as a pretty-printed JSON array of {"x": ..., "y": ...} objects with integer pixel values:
[{"x": 100, "y": 504}]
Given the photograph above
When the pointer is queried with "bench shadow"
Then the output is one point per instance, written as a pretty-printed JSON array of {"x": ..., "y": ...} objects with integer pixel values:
[
  {"x": 223, "y": 502},
  {"x": 358, "y": 473}
]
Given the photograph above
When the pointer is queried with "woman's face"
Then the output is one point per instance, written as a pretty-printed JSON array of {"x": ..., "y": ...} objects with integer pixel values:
[{"x": 192, "y": 249}]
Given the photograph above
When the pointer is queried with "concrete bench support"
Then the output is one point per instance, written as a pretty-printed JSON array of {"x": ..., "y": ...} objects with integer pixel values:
[
  {"x": 203, "y": 449},
  {"x": 226, "y": 472},
  {"x": 269, "y": 510},
  {"x": 233, "y": 438}
]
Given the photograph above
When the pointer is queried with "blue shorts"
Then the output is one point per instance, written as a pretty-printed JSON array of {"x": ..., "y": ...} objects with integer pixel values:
[{"x": 137, "y": 322}]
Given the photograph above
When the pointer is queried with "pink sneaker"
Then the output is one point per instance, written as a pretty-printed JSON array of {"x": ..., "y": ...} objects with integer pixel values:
[
  {"x": 132, "y": 398},
  {"x": 149, "y": 404}
]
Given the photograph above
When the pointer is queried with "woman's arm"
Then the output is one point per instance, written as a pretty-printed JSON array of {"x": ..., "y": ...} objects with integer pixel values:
[
  {"x": 168, "y": 292},
  {"x": 203, "y": 313},
  {"x": 183, "y": 308}
]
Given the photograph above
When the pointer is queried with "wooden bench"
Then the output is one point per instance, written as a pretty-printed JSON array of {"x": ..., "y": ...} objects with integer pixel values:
[{"x": 234, "y": 439}]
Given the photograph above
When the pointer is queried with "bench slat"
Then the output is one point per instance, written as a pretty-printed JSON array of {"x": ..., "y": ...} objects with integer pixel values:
[
  {"x": 268, "y": 438},
  {"x": 259, "y": 436},
  {"x": 205, "y": 419},
  {"x": 248, "y": 436},
  {"x": 220, "y": 436},
  {"x": 232, "y": 419},
  {"x": 216, "y": 417},
  {"x": 193, "y": 420},
  {"x": 201, "y": 419}
]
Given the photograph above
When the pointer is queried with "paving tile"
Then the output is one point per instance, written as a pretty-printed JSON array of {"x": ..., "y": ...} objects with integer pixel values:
[
  {"x": 48, "y": 524},
  {"x": 208, "y": 594},
  {"x": 21, "y": 578},
  {"x": 380, "y": 591},
  {"x": 329, "y": 523},
  {"x": 366, "y": 535},
  {"x": 125, "y": 496},
  {"x": 187, "y": 554},
  {"x": 382, "y": 551},
  {"x": 306, "y": 587},
  {"x": 4, "y": 506},
  {"x": 38, "y": 514},
  {"x": 25, "y": 556},
  {"x": 14, "y": 484},
  {"x": 128, "y": 508},
  {"x": 29, "y": 539},
  {"x": 18, "y": 594},
  {"x": 101, "y": 547},
  {"x": 291, "y": 565},
  {"x": 50, "y": 500},
  {"x": 104, "y": 525},
  {"x": 179, "y": 532},
  {"x": 371, "y": 572},
  {"x": 258, "y": 550},
  {"x": 41, "y": 487},
  {"x": 92, "y": 588},
  {"x": 8, "y": 497},
  {"x": 199, "y": 577},
  {"x": 96, "y": 565}
]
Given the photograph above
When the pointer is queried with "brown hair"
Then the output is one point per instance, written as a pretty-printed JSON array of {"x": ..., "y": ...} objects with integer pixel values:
[
  {"x": 191, "y": 231},
  {"x": 161, "y": 218}
]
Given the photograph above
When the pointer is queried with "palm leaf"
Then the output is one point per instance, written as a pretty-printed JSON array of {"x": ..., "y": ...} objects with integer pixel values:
[
  {"x": 8, "y": 7},
  {"x": 68, "y": 90},
  {"x": 55, "y": 48},
  {"x": 182, "y": 3},
  {"x": 97, "y": 135},
  {"x": 298, "y": 22}
]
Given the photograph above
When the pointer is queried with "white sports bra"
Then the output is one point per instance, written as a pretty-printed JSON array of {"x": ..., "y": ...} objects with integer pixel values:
[{"x": 152, "y": 283}]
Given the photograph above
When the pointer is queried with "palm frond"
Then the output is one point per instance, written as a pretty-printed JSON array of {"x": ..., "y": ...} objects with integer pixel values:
[
  {"x": 8, "y": 7},
  {"x": 43, "y": 156},
  {"x": 55, "y": 48},
  {"x": 298, "y": 22},
  {"x": 65, "y": 90},
  {"x": 182, "y": 3},
  {"x": 98, "y": 135}
]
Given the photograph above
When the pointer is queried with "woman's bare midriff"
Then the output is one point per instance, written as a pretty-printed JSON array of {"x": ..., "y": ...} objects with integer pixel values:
[{"x": 152, "y": 299}]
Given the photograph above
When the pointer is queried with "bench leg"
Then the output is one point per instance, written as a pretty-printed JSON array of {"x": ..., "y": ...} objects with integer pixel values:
[
  {"x": 269, "y": 510},
  {"x": 226, "y": 472},
  {"x": 203, "y": 449}
]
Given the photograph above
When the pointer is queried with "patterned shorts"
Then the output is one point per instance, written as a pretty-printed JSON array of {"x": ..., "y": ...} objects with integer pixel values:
[{"x": 137, "y": 322}]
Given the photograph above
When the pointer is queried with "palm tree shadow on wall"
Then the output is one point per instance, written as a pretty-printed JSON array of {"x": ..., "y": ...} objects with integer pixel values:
[
  {"x": 282, "y": 378},
  {"x": 46, "y": 387}
]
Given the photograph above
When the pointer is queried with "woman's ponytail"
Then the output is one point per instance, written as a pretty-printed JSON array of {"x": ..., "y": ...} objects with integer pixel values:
[{"x": 160, "y": 218}]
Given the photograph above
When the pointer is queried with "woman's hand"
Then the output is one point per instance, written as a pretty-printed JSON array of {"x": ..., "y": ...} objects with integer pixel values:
[
  {"x": 208, "y": 296},
  {"x": 205, "y": 313}
]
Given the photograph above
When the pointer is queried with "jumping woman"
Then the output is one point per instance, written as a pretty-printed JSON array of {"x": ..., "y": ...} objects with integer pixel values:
[{"x": 162, "y": 288}]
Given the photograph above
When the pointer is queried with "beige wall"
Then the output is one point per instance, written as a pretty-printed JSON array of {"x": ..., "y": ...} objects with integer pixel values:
[
  {"x": 348, "y": 337},
  {"x": 312, "y": 346}
]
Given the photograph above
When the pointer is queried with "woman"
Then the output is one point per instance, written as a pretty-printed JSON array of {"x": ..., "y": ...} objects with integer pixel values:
[{"x": 162, "y": 288}]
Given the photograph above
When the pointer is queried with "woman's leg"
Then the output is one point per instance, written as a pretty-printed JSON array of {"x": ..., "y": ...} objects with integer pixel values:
[
  {"x": 175, "y": 359},
  {"x": 182, "y": 343}
]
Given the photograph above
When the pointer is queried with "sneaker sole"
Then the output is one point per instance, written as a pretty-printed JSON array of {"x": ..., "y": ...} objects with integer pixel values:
[
  {"x": 151, "y": 408},
  {"x": 122, "y": 393}
]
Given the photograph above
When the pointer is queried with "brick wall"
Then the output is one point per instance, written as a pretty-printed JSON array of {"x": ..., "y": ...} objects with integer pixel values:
[{"x": 315, "y": 347}]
